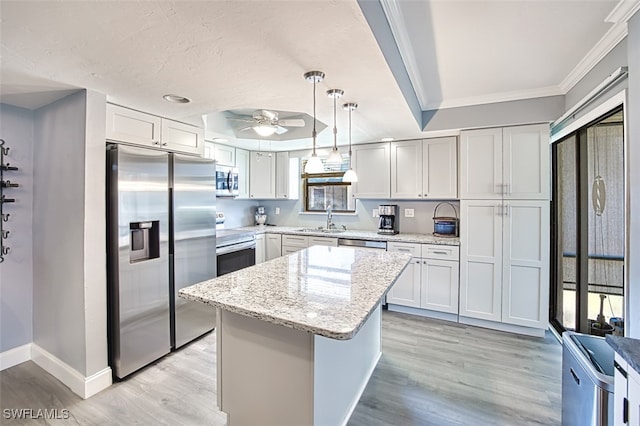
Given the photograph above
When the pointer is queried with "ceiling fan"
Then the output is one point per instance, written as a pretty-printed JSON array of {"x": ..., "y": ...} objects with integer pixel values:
[{"x": 265, "y": 123}]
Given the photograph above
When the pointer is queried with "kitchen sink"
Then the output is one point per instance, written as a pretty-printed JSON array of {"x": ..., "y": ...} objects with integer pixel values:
[{"x": 323, "y": 230}]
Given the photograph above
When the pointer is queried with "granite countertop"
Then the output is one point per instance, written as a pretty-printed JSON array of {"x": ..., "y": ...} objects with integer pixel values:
[
  {"x": 627, "y": 348},
  {"x": 355, "y": 234},
  {"x": 329, "y": 291}
]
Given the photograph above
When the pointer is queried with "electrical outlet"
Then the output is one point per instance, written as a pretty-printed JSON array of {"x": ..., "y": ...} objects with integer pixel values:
[
  {"x": 277, "y": 210},
  {"x": 375, "y": 213},
  {"x": 408, "y": 213}
]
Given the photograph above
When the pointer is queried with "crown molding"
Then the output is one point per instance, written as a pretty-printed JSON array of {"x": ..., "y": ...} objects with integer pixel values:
[
  {"x": 498, "y": 97},
  {"x": 398, "y": 27},
  {"x": 610, "y": 40},
  {"x": 623, "y": 11}
]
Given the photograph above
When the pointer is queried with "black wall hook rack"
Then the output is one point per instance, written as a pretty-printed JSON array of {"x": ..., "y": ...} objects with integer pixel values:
[{"x": 5, "y": 184}]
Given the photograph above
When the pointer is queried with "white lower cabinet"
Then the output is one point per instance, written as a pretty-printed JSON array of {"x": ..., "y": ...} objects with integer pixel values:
[
  {"x": 323, "y": 241},
  {"x": 626, "y": 393},
  {"x": 504, "y": 263},
  {"x": 633, "y": 396},
  {"x": 294, "y": 243},
  {"x": 440, "y": 285},
  {"x": 261, "y": 249},
  {"x": 273, "y": 244},
  {"x": 430, "y": 280}
]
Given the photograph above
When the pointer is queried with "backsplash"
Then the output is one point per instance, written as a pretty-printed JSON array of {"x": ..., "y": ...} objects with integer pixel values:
[
  {"x": 241, "y": 213},
  {"x": 237, "y": 212}
]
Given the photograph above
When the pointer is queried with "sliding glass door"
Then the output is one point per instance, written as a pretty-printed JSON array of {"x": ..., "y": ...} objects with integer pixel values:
[{"x": 588, "y": 227}]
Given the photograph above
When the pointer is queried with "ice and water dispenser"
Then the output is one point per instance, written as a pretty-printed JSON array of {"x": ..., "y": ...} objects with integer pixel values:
[{"x": 145, "y": 240}]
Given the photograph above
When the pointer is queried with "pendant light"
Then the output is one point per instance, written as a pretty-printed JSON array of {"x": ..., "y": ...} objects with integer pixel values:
[
  {"x": 314, "y": 164},
  {"x": 335, "y": 157},
  {"x": 350, "y": 175}
]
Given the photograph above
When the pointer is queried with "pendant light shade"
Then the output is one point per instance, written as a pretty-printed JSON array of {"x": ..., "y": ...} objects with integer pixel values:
[
  {"x": 335, "y": 157},
  {"x": 314, "y": 165},
  {"x": 350, "y": 175}
]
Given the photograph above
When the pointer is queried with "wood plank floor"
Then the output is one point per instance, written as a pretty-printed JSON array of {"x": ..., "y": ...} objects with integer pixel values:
[{"x": 431, "y": 373}]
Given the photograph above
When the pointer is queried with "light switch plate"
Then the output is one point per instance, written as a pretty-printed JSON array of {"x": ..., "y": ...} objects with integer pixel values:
[
  {"x": 375, "y": 213},
  {"x": 277, "y": 210},
  {"x": 408, "y": 213}
]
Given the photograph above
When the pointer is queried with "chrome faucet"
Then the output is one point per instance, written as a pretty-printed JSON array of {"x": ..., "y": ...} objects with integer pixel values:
[{"x": 330, "y": 224}]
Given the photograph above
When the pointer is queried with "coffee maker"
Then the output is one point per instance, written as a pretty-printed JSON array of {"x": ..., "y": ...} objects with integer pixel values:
[{"x": 388, "y": 223}]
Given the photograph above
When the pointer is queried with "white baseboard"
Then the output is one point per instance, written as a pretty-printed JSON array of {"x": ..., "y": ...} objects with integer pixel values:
[
  {"x": 510, "y": 328},
  {"x": 428, "y": 313},
  {"x": 15, "y": 356},
  {"x": 84, "y": 387}
]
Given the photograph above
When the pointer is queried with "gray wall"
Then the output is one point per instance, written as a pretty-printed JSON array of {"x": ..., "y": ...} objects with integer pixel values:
[
  {"x": 526, "y": 111},
  {"x": 16, "y": 277},
  {"x": 633, "y": 123},
  {"x": 613, "y": 60},
  {"x": 237, "y": 212},
  {"x": 69, "y": 302}
]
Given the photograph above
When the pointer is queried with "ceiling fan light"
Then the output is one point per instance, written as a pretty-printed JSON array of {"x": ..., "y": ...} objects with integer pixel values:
[
  {"x": 264, "y": 130},
  {"x": 335, "y": 157},
  {"x": 350, "y": 176},
  {"x": 314, "y": 165}
]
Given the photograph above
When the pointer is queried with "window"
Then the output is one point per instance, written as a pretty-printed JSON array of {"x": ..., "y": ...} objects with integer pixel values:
[
  {"x": 589, "y": 227},
  {"x": 322, "y": 190}
]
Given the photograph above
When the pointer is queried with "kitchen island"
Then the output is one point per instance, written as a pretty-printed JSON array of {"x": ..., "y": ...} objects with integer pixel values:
[{"x": 299, "y": 336}]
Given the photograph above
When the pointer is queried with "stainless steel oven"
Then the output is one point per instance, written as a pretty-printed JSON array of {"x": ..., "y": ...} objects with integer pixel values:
[{"x": 235, "y": 250}]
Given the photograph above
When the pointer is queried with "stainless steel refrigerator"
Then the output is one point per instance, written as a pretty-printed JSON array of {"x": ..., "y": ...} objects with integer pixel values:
[{"x": 161, "y": 236}]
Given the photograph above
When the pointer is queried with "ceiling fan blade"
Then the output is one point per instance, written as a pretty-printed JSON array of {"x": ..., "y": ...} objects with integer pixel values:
[
  {"x": 280, "y": 130},
  {"x": 245, "y": 128},
  {"x": 291, "y": 122}
]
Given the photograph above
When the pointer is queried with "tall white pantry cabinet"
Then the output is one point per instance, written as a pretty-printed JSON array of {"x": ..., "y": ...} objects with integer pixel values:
[{"x": 505, "y": 226}]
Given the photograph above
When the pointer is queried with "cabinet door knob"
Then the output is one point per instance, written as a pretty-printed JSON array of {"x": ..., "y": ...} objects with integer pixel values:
[
  {"x": 285, "y": 195},
  {"x": 419, "y": 195},
  {"x": 426, "y": 195},
  {"x": 164, "y": 144}
]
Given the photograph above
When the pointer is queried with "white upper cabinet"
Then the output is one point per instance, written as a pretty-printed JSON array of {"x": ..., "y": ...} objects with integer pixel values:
[
  {"x": 406, "y": 169},
  {"x": 242, "y": 164},
  {"x": 481, "y": 164},
  {"x": 525, "y": 162},
  {"x": 282, "y": 176},
  {"x": 440, "y": 168},
  {"x": 127, "y": 125},
  {"x": 424, "y": 169},
  {"x": 371, "y": 164},
  {"x": 182, "y": 137},
  {"x": 509, "y": 163},
  {"x": 225, "y": 155},
  {"x": 138, "y": 128},
  {"x": 262, "y": 174}
]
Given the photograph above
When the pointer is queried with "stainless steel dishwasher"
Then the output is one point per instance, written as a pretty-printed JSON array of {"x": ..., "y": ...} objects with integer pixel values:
[
  {"x": 362, "y": 244},
  {"x": 587, "y": 380}
]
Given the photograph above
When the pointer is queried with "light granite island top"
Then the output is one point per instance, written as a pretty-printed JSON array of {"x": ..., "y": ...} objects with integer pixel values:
[
  {"x": 328, "y": 291},
  {"x": 298, "y": 337}
]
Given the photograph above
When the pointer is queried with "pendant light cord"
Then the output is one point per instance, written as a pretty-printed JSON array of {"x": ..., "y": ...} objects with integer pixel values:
[
  {"x": 350, "y": 138},
  {"x": 313, "y": 133},
  {"x": 335, "y": 129}
]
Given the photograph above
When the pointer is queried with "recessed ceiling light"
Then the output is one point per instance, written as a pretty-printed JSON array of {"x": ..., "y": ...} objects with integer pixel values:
[
  {"x": 220, "y": 140},
  {"x": 176, "y": 99},
  {"x": 387, "y": 139}
]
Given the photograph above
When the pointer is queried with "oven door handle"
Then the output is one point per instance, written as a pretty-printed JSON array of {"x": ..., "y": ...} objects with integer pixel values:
[{"x": 251, "y": 245}]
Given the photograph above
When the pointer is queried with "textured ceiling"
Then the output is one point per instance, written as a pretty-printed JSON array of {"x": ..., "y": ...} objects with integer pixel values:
[{"x": 248, "y": 55}]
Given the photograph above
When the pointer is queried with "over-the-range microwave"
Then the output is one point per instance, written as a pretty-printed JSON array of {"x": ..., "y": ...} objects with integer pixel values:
[{"x": 226, "y": 181}]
